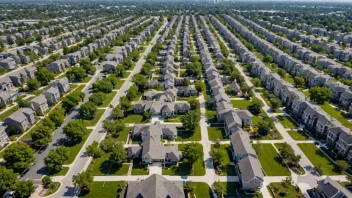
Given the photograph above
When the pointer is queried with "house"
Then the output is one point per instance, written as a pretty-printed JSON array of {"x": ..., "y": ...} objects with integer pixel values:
[
  {"x": 250, "y": 173},
  {"x": 7, "y": 97},
  {"x": 187, "y": 91},
  {"x": 62, "y": 84},
  {"x": 39, "y": 104},
  {"x": 240, "y": 145},
  {"x": 344, "y": 143},
  {"x": 235, "y": 88},
  {"x": 155, "y": 186},
  {"x": 329, "y": 188},
  {"x": 4, "y": 138},
  {"x": 52, "y": 95},
  {"x": 5, "y": 84},
  {"x": 109, "y": 65},
  {"x": 161, "y": 108},
  {"x": 58, "y": 66},
  {"x": 8, "y": 64},
  {"x": 21, "y": 120}
]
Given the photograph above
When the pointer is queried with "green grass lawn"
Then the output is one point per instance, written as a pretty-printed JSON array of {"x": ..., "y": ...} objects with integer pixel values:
[
  {"x": 243, "y": 104},
  {"x": 133, "y": 118},
  {"x": 184, "y": 169},
  {"x": 318, "y": 158},
  {"x": 288, "y": 78},
  {"x": 211, "y": 115},
  {"x": 126, "y": 74},
  {"x": 80, "y": 88},
  {"x": 86, "y": 79},
  {"x": 202, "y": 190},
  {"x": 54, "y": 187},
  {"x": 123, "y": 135},
  {"x": 187, "y": 136},
  {"x": 102, "y": 166},
  {"x": 270, "y": 160},
  {"x": 7, "y": 113},
  {"x": 306, "y": 93},
  {"x": 106, "y": 189},
  {"x": 298, "y": 135},
  {"x": 139, "y": 169},
  {"x": 119, "y": 84},
  {"x": 75, "y": 148},
  {"x": 63, "y": 171},
  {"x": 336, "y": 114},
  {"x": 265, "y": 99},
  {"x": 215, "y": 133},
  {"x": 234, "y": 188},
  {"x": 108, "y": 99},
  {"x": 286, "y": 121},
  {"x": 228, "y": 170},
  {"x": 96, "y": 118},
  {"x": 176, "y": 118},
  {"x": 291, "y": 191}
]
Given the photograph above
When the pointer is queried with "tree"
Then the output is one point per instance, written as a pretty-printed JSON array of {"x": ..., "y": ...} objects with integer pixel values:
[
  {"x": 75, "y": 130},
  {"x": 140, "y": 80},
  {"x": 257, "y": 82},
  {"x": 200, "y": 86},
  {"x": 119, "y": 71},
  {"x": 117, "y": 112},
  {"x": 342, "y": 164},
  {"x": 320, "y": 94},
  {"x": 255, "y": 106},
  {"x": 286, "y": 183},
  {"x": 57, "y": 116},
  {"x": 125, "y": 103},
  {"x": 268, "y": 59},
  {"x": 108, "y": 144},
  {"x": 87, "y": 110},
  {"x": 186, "y": 82},
  {"x": 41, "y": 135},
  {"x": 24, "y": 188},
  {"x": 118, "y": 155},
  {"x": 146, "y": 69},
  {"x": 114, "y": 126},
  {"x": 319, "y": 169},
  {"x": 7, "y": 179},
  {"x": 299, "y": 81},
  {"x": 191, "y": 120},
  {"x": 249, "y": 46},
  {"x": 19, "y": 156},
  {"x": 209, "y": 103},
  {"x": 132, "y": 92},
  {"x": 281, "y": 72},
  {"x": 94, "y": 150},
  {"x": 264, "y": 128},
  {"x": 44, "y": 76},
  {"x": 275, "y": 103},
  {"x": 217, "y": 157},
  {"x": 191, "y": 187},
  {"x": 192, "y": 152},
  {"x": 33, "y": 84},
  {"x": 46, "y": 181},
  {"x": 103, "y": 85},
  {"x": 220, "y": 188},
  {"x": 76, "y": 73},
  {"x": 71, "y": 101},
  {"x": 193, "y": 102},
  {"x": 83, "y": 180},
  {"x": 97, "y": 98},
  {"x": 56, "y": 158}
]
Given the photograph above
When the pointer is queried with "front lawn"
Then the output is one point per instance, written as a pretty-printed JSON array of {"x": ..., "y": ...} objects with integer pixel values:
[
  {"x": 270, "y": 160},
  {"x": 63, "y": 171},
  {"x": 183, "y": 135},
  {"x": 202, "y": 190},
  {"x": 298, "y": 135},
  {"x": 105, "y": 189},
  {"x": 7, "y": 113},
  {"x": 216, "y": 133},
  {"x": 289, "y": 192},
  {"x": 175, "y": 118},
  {"x": 108, "y": 99},
  {"x": 75, "y": 148},
  {"x": 286, "y": 121},
  {"x": 227, "y": 170},
  {"x": 102, "y": 167},
  {"x": 138, "y": 168},
  {"x": 86, "y": 79},
  {"x": 184, "y": 169},
  {"x": 234, "y": 188},
  {"x": 240, "y": 104},
  {"x": 96, "y": 118},
  {"x": 53, "y": 188},
  {"x": 318, "y": 158},
  {"x": 336, "y": 114},
  {"x": 134, "y": 118},
  {"x": 123, "y": 135},
  {"x": 211, "y": 115},
  {"x": 119, "y": 84}
]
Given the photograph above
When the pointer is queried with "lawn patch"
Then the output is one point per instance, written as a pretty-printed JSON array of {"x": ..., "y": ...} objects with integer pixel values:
[
  {"x": 270, "y": 160},
  {"x": 119, "y": 84},
  {"x": 298, "y": 135},
  {"x": 289, "y": 192},
  {"x": 211, "y": 115},
  {"x": 318, "y": 158},
  {"x": 138, "y": 168},
  {"x": 134, "y": 118},
  {"x": 53, "y": 188},
  {"x": 75, "y": 148},
  {"x": 123, "y": 135},
  {"x": 336, "y": 114},
  {"x": 286, "y": 121},
  {"x": 7, "y": 113},
  {"x": 202, "y": 190},
  {"x": 62, "y": 172},
  {"x": 106, "y": 189},
  {"x": 108, "y": 99},
  {"x": 215, "y": 133},
  {"x": 240, "y": 104},
  {"x": 86, "y": 79},
  {"x": 96, "y": 118},
  {"x": 102, "y": 166},
  {"x": 227, "y": 170},
  {"x": 183, "y": 135}
]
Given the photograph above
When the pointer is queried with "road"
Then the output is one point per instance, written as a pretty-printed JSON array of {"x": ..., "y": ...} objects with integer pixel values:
[{"x": 82, "y": 161}]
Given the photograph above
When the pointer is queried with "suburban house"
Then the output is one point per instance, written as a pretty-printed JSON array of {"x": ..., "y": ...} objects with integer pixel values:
[
  {"x": 21, "y": 120},
  {"x": 329, "y": 188},
  {"x": 152, "y": 149},
  {"x": 8, "y": 64},
  {"x": 7, "y": 97},
  {"x": 155, "y": 186},
  {"x": 161, "y": 108},
  {"x": 52, "y": 95},
  {"x": 58, "y": 66},
  {"x": 62, "y": 84},
  {"x": 4, "y": 138},
  {"x": 39, "y": 104},
  {"x": 6, "y": 83}
]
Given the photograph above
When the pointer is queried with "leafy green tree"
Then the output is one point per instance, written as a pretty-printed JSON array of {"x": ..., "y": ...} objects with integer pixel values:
[
  {"x": 19, "y": 156},
  {"x": 193, "y": 102},
  {"x": 146, "y": 69},
  {"x": 57, "y": 116},
  {"x": 108, "y": 144},
  {"x": 71, "y": 101},
  {"x": 132, "y": 92},
  {"x": 268, "y": 59},
  {"x": 257, "y": 82},
  {"x": 220, "y": 188},
  {"x": 299, "y": 81},
  {"x": 114, "y": 127},
  {"x": 84, "y": 180},
  {"x": 117, "y": 112},
  {"x": 191, "y": 120},
  {"x": 264, "y": 128},
  {"x": 94, "y": 150},
  {"x": 33, "y": 84},
  {"x": 44, "y": 76},
  {"x": 286, "y": 183},
  {"x": 191, "y": 187},
  {"x": 275, "y": 103},
  {"x": 41, "y": 135},
  {"x": 125, "y": 103},
  {"x": 46, "y": 181},
  {"x": 200, "y": 86},
  {"x": 103, "y": 85},
  {"x": 7, "y": 179},
  {"x": 48, "y": 123},
  {"x": 281, "y": 72},
  {"x": 186, "y": 82},
  {"x": 320, "y": 94},
  {"x": 76, "y": 73},
  {"x": 192, "y": 152},
  {"x": 24, "y": 188},
  {"x": 75, "y": 130},
  {"x": 87, "y": 110},
  {"x": 118, "y": 155},
  {"x": 342, "y": 164},
  {"x": 255, "y": 106},
  {"x": 56, "y": 158},
  {"x": 140, "y": 80},
  {"x": 119, "y": 71},
  {"x": 97, "y": 98}
]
